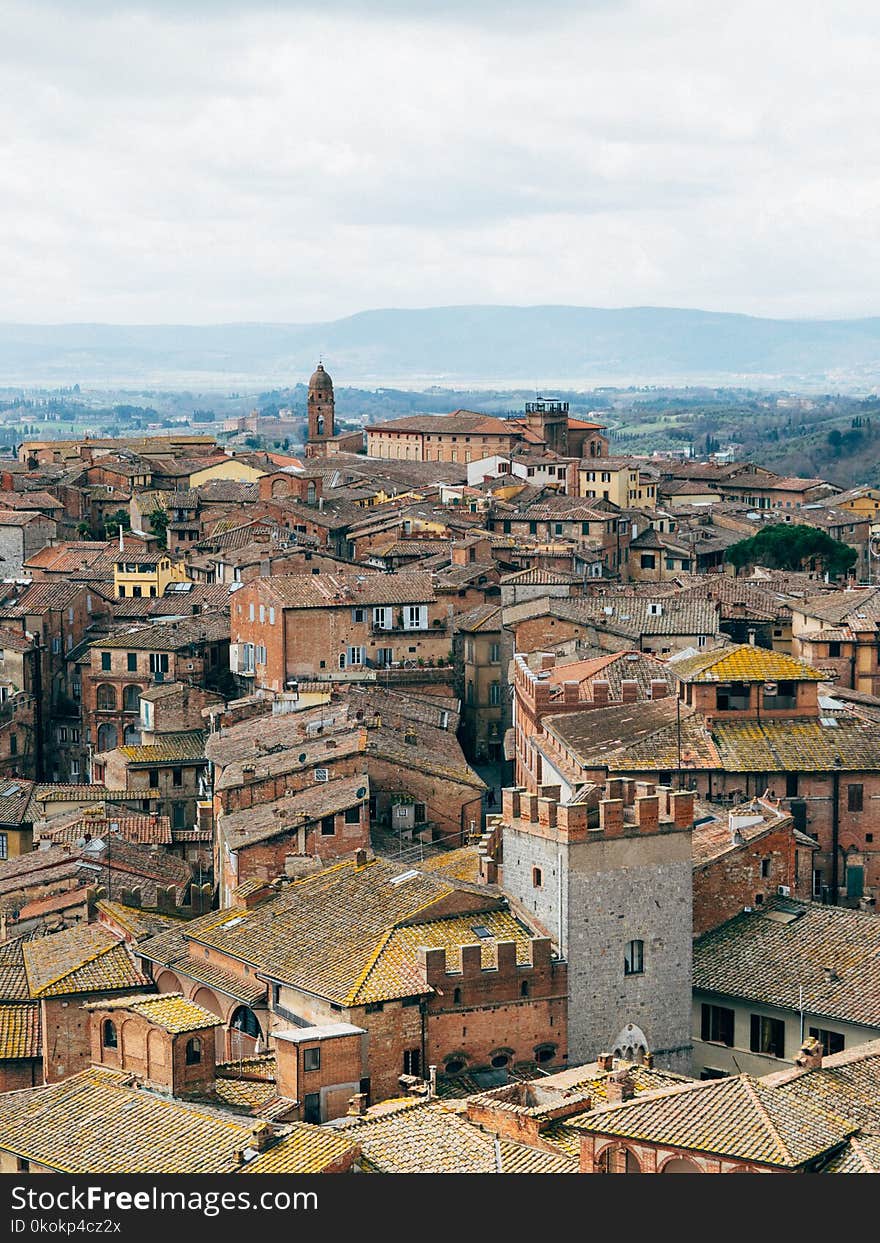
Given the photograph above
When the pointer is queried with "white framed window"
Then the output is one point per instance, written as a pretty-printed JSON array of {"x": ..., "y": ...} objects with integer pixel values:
[
  {"x": 271, "y": 615},
  {"x": 382, "y": 618},
  {"x": 260, "y": 654},
  {"x": 357, "y": 655},
  {"x": 251, "y": 612},
  {"x": 322, "y": 774},
  {"x": 262, "y": 613},
  {"x": 415, "y": 617},
  {"x": 359, "y": 615}
]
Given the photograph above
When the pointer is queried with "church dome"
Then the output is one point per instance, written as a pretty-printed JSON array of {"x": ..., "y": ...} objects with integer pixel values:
[{"x": 320, "y": 379}]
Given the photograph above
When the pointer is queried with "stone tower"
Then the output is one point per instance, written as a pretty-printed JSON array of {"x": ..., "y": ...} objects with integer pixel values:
[
  {"x": 321, "y": 406},
  {"x": 610, "y": 879}
]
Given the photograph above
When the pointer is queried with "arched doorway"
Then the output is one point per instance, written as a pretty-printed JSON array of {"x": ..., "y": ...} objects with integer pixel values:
[
  {"x": 244, "y": 1032},
  {"x": 108, "y": 738}
]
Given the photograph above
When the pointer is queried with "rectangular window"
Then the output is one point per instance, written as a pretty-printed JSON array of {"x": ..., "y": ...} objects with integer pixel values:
[
  {"x": 817, "y": 882},
  {"x": 634, "y": 958},
  {"x": 158, "y": 662},
  {"x": 791, "y": 785},
  {"x": 312, "y": 1059},
  {"x": 74, "y": 768},
  {"x": 328, "y": 826},
  {"x": 353, "y": 815},
  {"x": 178, "y": 815},
  {"x": 105, "y": 660},
  {"x": 4, "y": 846},
  {"x": 382, "y": 619},
  {"x": 177, "y": 776},
  {"x": 259, "y": 654},
  {"x": 717, "y": 1025},
  {"x": 415, "y": 617},
  {"x": 494, "y": 653},
  {"x": 494, "y": 693},
  {"x": 271, "y": 616},
  {"x": 357, "y": 655},
  {"x": 131, "y": 662},
  {"x": 412, "y": 1061},
  {"x": 648, "y": 561},
  {"x": 831, "y": 1042},
  {"x": 359, "y": 615},
  {"x": 153, "y": 778},
  {"x": 833, "y": 649},
  {"x": 855, "y": 798},
  {"x": 767, "y": 1036}
]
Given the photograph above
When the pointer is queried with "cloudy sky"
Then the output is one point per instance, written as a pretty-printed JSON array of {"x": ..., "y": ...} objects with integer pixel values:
[{"x": 202, "y": 161}]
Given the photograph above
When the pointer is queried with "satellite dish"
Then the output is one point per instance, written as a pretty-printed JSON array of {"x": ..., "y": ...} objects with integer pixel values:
[{"x": 770, "y": 688}]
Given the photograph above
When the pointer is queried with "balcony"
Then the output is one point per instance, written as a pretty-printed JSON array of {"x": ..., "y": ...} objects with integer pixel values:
[{"x": 436, "y": 627}]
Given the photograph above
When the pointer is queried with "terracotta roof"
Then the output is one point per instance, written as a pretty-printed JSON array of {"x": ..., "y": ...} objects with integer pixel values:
[
  {"x": 744, "y": 663},
  {"x": 169, "y": 636},
  {"x": 83, "y": 959},
  {"x": 320, "y": 591},
  {"x": 171, "y": 1011},
  {"x": 303, "y": 1150},
  {"x": 13, "y": 977},
  {"x": 460, "y": 422},
  {"x": 327, "y": 932},
  {"x": 286, "y": 815},
  {"x": 393, "y": 971},
  {"x": 19, "y": 1032},
  {"x": 817, "y": 744},
  {"x": 847, "y": 1084},
  {"x": 187, "y": 745},
  {"x": 738, "y": 1117},
  {"x": 419, "y": 1137},
  {"x": 101, "y": 1122},
  {"x": 770, "y": 955}
]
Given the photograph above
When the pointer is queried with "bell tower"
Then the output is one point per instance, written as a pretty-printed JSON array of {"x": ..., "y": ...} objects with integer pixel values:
[{"x": 321, "y": 406}]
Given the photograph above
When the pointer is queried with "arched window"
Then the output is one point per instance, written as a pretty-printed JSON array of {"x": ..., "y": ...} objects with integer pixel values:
[
  {"x": 131, "y": 699},
  {"x": 500, "y": 1058},
  {"x": 244, "y": 1020},
  {"x": 545, "y": 1052},
  {"x": 109, "y": 1035},
  {"x": 108, "y": 738},
  {"x": 454, "y": 1064},
  {"x": 311, "y": 494},
  {"x": 680, "y": 1165},
  {"x": 106, "y": 697},
  {"x": 193, "y": 1051},
  {"x": 456, "y": 997},
  {"x": 617, "y": 1160},
  {"x": 131, "y": 736},
  {"x": 524, "y": 989}
]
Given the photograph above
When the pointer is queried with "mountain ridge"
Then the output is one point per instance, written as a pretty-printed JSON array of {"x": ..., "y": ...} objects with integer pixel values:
[{"x": 456, "y": 344}]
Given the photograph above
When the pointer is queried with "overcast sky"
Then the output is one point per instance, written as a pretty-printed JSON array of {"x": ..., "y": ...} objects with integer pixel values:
[{"x": 203, "y": 161}]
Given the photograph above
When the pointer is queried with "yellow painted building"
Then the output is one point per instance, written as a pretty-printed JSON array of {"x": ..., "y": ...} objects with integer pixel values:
[
  {"x": 146, "y": 574},
  {"x": 621, "y": 482}
]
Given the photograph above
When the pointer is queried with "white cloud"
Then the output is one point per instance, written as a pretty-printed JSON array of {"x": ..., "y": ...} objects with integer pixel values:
[{"x": 205, "y": 162}]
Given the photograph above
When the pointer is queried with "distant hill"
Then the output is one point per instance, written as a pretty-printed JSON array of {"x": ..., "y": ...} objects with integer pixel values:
[{"x": 538, "y": 346}]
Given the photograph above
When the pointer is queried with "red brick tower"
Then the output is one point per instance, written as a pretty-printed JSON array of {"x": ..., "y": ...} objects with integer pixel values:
[{"x": 321, "y": 406}]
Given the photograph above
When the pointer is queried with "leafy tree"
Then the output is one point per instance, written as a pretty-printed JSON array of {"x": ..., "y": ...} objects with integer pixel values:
[
  {"x": 159, "y": 526},
  {"x": 115, "y": 521},
  {"x": 793, "y": 547}
]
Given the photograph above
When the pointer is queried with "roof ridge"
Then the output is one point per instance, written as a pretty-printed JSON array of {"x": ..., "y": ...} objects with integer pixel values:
[{"x": 751, "y": 1090}]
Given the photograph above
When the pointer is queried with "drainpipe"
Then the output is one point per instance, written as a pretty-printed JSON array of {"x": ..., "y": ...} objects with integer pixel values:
[{"x": 835, "y": 835}]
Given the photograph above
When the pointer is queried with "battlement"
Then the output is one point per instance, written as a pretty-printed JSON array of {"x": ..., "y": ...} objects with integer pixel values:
[{"x": 620, "y": 808}]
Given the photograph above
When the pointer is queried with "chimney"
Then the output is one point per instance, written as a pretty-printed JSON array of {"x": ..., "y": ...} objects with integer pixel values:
[
  {"x": 360, "y": 858},
  {"x": 605, "y": 1061},
  {"x": 619, "y": 1087},
  {"x": 357, "y": 1105},
  {"x": 659, "y": 688},
  {"x": 809, "y": 1056},
  {"x": 629, "y": 691},
  {"x": 752, "y": 638},
  {"x": 261, "y": 1136}
]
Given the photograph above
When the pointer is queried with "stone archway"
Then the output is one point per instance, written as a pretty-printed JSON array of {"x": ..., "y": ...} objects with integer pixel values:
[
  {"x": 167, "y": 982},
  {"x": 680, "y": 1165}
]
